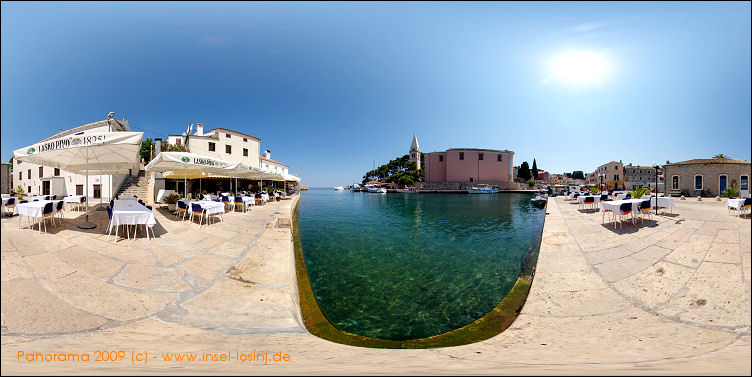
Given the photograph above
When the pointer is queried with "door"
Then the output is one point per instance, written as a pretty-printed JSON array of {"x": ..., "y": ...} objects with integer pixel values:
[
  {"x": 45, "y": 187},
  {"x": 721, "y": 184}
]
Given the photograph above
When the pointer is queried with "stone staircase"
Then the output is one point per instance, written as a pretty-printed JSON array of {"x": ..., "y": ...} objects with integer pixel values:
[{"x": 138, "y": 186}]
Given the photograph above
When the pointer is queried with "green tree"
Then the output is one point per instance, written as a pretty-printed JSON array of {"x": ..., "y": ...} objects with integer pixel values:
[
  {"x": 578, "y": 174},
  {"x": 720, "y": 155},
  {"x": 531, "y": 182},
  {"x": 535, "y": 169},
  {"x": 145, "y": 150},
  {"x": 399, "y": 170},
  {"x": 524, "y": 172}
]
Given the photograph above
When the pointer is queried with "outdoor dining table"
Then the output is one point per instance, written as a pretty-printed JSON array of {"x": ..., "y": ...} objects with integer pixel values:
[
  {"x": 735, "y": 204},
  {"x": 581, "y": 199},
  {"x": 614, "y": 205},
  {"x": 32, "y": 209},
  {"x": 130, "y": 212},
  {"x": 663, "y": 202},
  {"x": 210, "y": 207},
  {"x": 73, "y": 199},
  {"x": 40, "y": 197},
  {"x": 127, "y": 197}
]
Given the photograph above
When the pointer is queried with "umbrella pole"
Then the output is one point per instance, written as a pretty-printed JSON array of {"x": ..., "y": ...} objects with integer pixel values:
[
  {"x": 185, "y": 181},
  {"x": 101, "y": 186},
  {"x": 86, "y": 224}
]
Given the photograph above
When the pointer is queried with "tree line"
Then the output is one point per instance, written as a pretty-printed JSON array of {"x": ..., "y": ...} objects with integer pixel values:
[{"x": 400, "y": 171}]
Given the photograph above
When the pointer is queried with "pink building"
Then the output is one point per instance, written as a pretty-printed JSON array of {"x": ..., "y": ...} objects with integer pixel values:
[{"x": 464, "y": 165}]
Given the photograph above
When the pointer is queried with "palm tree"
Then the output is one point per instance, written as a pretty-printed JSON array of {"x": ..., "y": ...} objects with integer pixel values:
[{"x": 720, "y": 155}]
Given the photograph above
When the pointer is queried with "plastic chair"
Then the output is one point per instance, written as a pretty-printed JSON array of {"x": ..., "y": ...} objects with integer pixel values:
[
  {"x": 197, "y": 210},
  {"x": 46, "y": 212},
  {"x": 239, "y": 202},
  {"x": 59, "y": 210},
  {"x": 644, "y": 209},
  {"x": 624, "y": 209},
  {"x": 589, "y": 201},
  {"x": 182, "y": 207},
  {"x": 747, "y": 204},
  {"x": 11, "y": 204}
]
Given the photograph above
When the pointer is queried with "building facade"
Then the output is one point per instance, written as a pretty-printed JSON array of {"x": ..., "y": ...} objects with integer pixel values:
[
  {"x": 462, "y": 166},
  {"x": 636, "y": 176},
  {"x": 708, "y": 176},
  {"x": 45, "y": 180},
  {"x": 6, "y": 178},
  {"x": 274, "y": 166},
  {"x": 610, "y": 174},
  {"x": 221, "y": 143}
]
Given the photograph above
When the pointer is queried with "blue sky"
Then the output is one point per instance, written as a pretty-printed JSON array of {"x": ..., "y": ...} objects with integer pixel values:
[{"x": 331, "y": 87}]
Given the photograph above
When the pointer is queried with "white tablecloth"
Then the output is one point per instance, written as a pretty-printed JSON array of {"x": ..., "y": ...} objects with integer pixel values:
[
  {"x": 129, "y": 212},
  {"x": 211, "y": 207},
  {"x": 40, "y": 197},
  {"x": 73, "y": 199},
  {"x": 663, "y": 202},
  {"x": 614, "y": 205},
  {"x": 127, "y": 197},
  {"x": 735, "y": 203},
  {"x": 33, "y": 209},
  {"x": 581, "y": 199}
]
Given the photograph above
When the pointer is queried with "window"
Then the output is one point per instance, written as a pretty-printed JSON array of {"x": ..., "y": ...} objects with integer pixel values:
[
  {"x": 227, "y": 135},
  {"x": 480, "y": 156},
  {"x": 79, "y": 189},
  {"x": 20, "y": 175},
  {"x": 28, "y": 189},
  {"x": 471, "y": 179},
  {"x": 228, "y": 149},
  {"x": 97, "y": 191},
  {"x": 441, "y": 158},
  {"x": 245, "y": 152},
  {"x": 498, "y": 157},
  {"x": 462, "y": 157},
  {"x": 675, "y": 182},
  {"x": 57, "y": 172},
  {"x": 28, "y": 174},
  {"x": 698, "y": 182},
  {"x": 744, "y": 182},
  {"x": 616, "y": 177},
  {"x": 41, "y": 171},
  {"x": 245, "y": 140},
  {"x": 178, "y": 142},
  {"x": 212, "y": 147}
]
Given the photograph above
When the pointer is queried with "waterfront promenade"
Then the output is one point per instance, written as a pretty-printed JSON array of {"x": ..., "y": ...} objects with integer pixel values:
[{"x": 669, "y": 297}]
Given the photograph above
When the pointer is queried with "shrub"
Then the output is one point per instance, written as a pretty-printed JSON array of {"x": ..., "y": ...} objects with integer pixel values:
[
  {"x": 685, "y": 193},
  {"x": 19, "y": 192},
  {"x": 171, "y": 199},
  {"x": 730, "y": 193},
  {"x": 638, "y": 193},
  {"x": 705, "y": 193},
  {"x": 531, "y": 183},
  {"x": 594, "y": 190}
]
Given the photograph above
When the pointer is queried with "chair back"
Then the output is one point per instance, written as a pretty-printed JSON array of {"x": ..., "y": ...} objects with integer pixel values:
[
  {"x": 23, "y": 201},
  {"x": 195, "y": 208},
  {"x": 11, "y": 202},
  {"x": 54, "y": 197},
  {"x": 182, "y": 205},
  {"x": 604, "y": 197},
  {"x": 109, "y": 212},
  {"x": 576, "y": 195},
  {"x": 112, "y": 203},
  {"x": 589, "y": 199},
  {"x": 625, "y": 208},
  {"x": 747, "y": 202},
  {"x": 47, "y": 209},
  {"x": 238, "y": 200},
  {"x": 60, "y": 206},
  {"x": 36, "y": 200},
  {"x": 83, "y": 199},
  {"x": 225, "y": 199},
  {"x": 140, "y": 202},
  {"x": 645, "y": 204},
  {"x": 628, "y": 196}
]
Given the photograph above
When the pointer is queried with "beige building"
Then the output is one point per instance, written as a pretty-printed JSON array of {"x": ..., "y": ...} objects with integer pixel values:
[
  {"x": 636, "y": 176},
  {"x": 45, "y": 180},
  {"x": 611, "y": 174},
  {"x": 221, "y": 143},
  {"x": 708, "y": 176}
]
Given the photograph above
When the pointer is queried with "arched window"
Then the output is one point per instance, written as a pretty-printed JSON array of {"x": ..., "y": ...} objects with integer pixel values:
[
  {"x": 698, "y": 182},
  {"x": 675, "y": 182}
]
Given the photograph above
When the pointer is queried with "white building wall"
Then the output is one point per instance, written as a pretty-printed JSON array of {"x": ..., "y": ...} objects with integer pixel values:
[{"x": 200, "y": 145}]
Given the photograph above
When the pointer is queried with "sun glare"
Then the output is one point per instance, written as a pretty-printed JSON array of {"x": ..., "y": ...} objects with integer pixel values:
[{"x": 580, "y": 66}]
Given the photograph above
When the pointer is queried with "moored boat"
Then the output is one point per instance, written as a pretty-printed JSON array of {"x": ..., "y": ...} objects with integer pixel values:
[
  {"x": 375, "y": 189},
  {"x": 482, "y": 189},
  {"x": 339, "y": 188},
  {"x": 407, "y": 190},
  {"x": 539, "y": 200}
]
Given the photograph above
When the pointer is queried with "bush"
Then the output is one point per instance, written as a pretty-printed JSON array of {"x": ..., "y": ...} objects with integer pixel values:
[
  {"x": 686, "y": 193},
  {"x": 171, "y": 199},
  {"x": 638, "y": 193},
  {"x": 19, "y": 192},
  {"x": 730, "y": 193},
  {"x": 705, "y": 193},
  {"x": 594, "y": 190},
  {"x": 531, "y": 183}
]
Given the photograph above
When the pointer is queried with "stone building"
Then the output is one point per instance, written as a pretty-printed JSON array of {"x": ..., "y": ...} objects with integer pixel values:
[
  {"x": 636, "y": 176},
  {"x": 415, "y": 152},
  {"x": 706, "y": 175},
  {"x": 6, "y": 178},
  {"x": 612, "y": 174}
]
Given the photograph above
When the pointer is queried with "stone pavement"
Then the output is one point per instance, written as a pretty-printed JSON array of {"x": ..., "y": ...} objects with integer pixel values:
[{"x": 668, "y": 297}]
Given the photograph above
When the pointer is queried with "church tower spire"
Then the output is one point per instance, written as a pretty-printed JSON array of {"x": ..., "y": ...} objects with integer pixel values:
[{"x": 415, "y": 151}]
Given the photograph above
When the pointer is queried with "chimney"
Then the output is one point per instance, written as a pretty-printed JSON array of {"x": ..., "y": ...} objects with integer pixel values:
[
  {"x": 157, "y": 146},
  {"x": 268, "y": 154},
  {"x": 200, "y": 129}
]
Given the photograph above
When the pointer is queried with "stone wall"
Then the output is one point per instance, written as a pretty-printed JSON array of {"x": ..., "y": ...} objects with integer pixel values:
[
  {"x": 710, "y": 176},
  {"x": 465, "y": 185}
]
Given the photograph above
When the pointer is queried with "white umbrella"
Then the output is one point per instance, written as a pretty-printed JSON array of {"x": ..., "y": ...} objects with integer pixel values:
[
  {"x": 95, "y": 152},
  {"x": 194, "y": 164}
]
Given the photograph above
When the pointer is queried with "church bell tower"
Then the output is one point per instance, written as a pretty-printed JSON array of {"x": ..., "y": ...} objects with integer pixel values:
[{"x": 415, "y": 151}]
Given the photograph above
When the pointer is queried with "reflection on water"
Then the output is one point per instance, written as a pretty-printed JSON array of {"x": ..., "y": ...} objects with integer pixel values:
[{"x": 405, "y": 266}]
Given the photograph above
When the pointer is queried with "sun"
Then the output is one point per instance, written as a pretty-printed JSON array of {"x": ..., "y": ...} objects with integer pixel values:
[{"x": 580, "y": 66}]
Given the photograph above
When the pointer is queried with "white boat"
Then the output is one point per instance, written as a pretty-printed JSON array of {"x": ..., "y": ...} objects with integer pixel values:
[
  {"x": 338, "y": 188},
  {"x": 410, "y": 190},
  {"x": 482, "y": 189},
  {"x": 539, "y": 200},
  {"x": 376, "y": 189},
  {"x": 355, "y": 187}
]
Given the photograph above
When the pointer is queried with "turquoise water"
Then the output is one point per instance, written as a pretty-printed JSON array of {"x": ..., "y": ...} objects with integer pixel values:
[{"x": 407, "y": 266}]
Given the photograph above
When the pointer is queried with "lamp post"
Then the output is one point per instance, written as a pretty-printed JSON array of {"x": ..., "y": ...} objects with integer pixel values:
[
  {"x": 601, "y": 177},
  {"x": 656, "y": 187}
]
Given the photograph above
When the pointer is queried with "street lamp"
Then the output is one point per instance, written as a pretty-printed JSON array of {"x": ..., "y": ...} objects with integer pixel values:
[
  {"x": 656, "y": 187},
  {"x": 601, "y": 177}
]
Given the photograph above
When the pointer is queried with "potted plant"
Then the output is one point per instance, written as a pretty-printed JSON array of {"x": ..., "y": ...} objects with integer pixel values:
[{"x": 171, "y": 200}]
